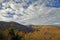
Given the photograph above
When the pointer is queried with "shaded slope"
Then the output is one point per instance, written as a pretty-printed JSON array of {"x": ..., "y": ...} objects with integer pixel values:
[{"x": 6, "y": 25}]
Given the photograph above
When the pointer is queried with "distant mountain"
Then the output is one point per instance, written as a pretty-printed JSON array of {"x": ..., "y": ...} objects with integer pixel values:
[{"x": 6, "y": 25}]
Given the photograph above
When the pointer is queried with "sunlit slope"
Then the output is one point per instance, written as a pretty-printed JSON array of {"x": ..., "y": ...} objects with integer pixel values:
[{"x": 45, "y": 33}]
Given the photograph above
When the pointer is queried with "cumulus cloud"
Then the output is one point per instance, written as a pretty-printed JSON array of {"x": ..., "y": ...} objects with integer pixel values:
[
  {"x": 29, "y": 12},
  {"x": 15, "y": 10}
]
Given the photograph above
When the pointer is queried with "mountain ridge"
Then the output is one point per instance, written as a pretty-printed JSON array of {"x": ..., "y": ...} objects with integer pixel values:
[{"x": 6, "y": 25}]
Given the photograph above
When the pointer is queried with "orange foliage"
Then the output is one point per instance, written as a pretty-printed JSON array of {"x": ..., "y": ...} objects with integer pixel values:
[{"x": 21, "y": 33}]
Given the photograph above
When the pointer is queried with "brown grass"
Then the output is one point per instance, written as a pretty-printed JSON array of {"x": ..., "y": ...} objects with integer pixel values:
[
  {"x": 42, "y": 32},
  {"x": 45, "y": 33}
]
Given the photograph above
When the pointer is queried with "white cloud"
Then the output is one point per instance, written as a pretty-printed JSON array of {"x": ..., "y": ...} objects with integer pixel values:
[{"x": 36, "y": 13}]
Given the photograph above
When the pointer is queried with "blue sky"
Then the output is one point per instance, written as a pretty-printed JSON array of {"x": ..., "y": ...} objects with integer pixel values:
[
  {"x": 53, "y": 3},
  {"x": 36, "y": 12}
]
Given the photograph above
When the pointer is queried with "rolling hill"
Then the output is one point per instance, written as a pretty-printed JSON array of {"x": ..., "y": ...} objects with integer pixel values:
[
  {"x": 41, "y": 32},
  {"x": 45, "y": 32}
]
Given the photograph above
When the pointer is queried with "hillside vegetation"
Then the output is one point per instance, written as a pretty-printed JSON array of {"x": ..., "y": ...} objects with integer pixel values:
[
  {"x": 41, "y": 32},
  {"x": 45, "y": 32}
]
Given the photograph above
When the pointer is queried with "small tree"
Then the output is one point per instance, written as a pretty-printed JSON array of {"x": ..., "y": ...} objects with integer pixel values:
[
  {"x": 14, "y": 34},
  {"x": 17, "y": 37},
  {"x": 11, "y": 32}
]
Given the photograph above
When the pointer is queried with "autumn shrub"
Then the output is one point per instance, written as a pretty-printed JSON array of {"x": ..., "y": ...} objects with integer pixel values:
[{"x": 13, "y": 34}]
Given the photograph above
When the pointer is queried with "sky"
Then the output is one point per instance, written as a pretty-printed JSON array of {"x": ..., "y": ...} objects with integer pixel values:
[{"x": 36, "y": 12}]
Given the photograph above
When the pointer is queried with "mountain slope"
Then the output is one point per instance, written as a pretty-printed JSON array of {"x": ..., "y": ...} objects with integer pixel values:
[
  {"x": 6, "y": 25},
  {"x": 45, "y": 32}
]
